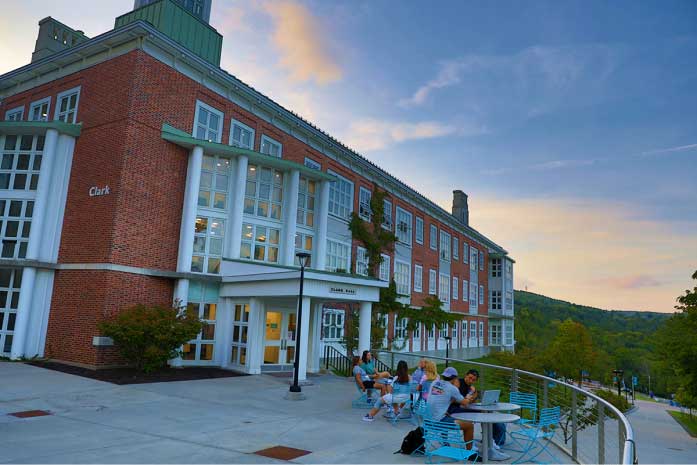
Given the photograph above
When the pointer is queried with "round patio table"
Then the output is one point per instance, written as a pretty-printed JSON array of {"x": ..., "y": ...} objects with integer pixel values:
[
  {"x": 486, "y": 419},
  {"x": 497, "y": 407}
]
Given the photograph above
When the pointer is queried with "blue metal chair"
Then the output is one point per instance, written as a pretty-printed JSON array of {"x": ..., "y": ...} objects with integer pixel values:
[
  {"x": 365, "y": 400},
  {"x": 444, "y": 439},
  {"x": 527, "y": 402},
  {"x": 401, "y": 396},
  {"x": 536, "y": 437}
]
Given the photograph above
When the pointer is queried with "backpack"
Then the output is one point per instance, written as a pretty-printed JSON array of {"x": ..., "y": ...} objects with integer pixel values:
[{"x": 413, "y": 442}]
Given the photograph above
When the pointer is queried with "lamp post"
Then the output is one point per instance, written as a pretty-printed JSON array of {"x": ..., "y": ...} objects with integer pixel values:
[
  {"x": 618, "y": 374},
  {"x": 295, "y": 388},
  {"x": 447, "y": 346}
]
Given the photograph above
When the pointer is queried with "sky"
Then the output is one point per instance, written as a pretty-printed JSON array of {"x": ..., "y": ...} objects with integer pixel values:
[{"x": 572, "y": 126}]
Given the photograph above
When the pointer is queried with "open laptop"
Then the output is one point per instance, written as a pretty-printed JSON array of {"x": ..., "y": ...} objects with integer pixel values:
[{"x": 490, "y": 397}]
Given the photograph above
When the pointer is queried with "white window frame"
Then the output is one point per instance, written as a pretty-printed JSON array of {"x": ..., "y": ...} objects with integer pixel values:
[
  {"x": 208, "y": 258},
  {"x": 361, "y": 261},
  {"x": 333, "y": 318},
  {"x": 335, "y": 201},
  {"x": 233, "y": 123},
  {"x": 465, "y": 290},
  {"x": 481, "y": 332},
  {"x": 384, "y": 269},
  {"x": 495, "y": 300},
  {"x": 10, "y": 114},
  {"x": 364, "y": 210},
  {"x": 400, "y": 329},
  {"x": 270, "y": 140},
  {"x": 418, "y": 278},
  {"x": 444, "y": 288},
  {"x": 266, "y": 244},
  {"x": 495, "y": 267},
  {"x": 432, "y": 282},
  {"x": 473, "y": 329},
  {"x": 456, "y": 287},
  {"x": 38, "y": 104},
  {"x": 456, "y": 248},
  {"x": 307, "y": 202},
  {"x": 199, "y": 105},
  {"x": 473, "y": 258},
  {"x": 403, "y": 226},
  {"x": 464, "y": 329},
  {"x": 465, "y": 252},
  {"x": 256, "y": 199},
  {"x": 481, "y": 294},
  {"x": 445, "y": 243},
  {"x": 419, "y": 230},
  {"x": 218, "y": 186},
  {"x": 402, "y": 277},
  {"x": 473, "y": 297},
  {"x": 387, "y": 221},
  {"x": 433, "y": 237},
  {"x": 481, "y": 260},
  {"x": 344, "y": 246},
  {"x": 509, "y": 300},
  {"x": 302, "y": 241},
  {"x": 312, "y": 164}
]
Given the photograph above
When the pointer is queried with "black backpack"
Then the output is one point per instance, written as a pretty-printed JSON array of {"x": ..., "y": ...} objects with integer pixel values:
[{"x": 413, "y": 442}]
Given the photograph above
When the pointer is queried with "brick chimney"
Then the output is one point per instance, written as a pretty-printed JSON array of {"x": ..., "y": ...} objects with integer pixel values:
[{"x": 460, "y": 208}]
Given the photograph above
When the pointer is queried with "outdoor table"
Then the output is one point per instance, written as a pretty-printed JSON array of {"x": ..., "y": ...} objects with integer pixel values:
[
  {"x": 486, "y": 419},
  {"x": 497, "y": 407}
]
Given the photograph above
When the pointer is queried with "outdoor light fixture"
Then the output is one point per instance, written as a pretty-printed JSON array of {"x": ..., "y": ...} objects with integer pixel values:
[
  {"x": 303, "y": 259},
  {"x": 447, "y": 346},
  {"x": 618, "y": 374}
]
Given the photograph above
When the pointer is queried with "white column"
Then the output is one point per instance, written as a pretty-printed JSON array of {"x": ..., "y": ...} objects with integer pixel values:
[
  {"x": 26, "y": 291},
  {"x": 320, "y": 252},
  {"x": 237, "y": 204},
  {"x": 255, "y": 336},
  {"x": 290, "y": 215},
  {"x": 223, "y": 332},
  {"x": 304, "y": 337},
  {"x": 314, "y": 339},
  {"x": 364, "y": 326}
]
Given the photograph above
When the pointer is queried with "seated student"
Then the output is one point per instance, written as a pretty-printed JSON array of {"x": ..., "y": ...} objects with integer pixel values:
[
  {"x": 429, "y": 376},
  {"x": 443, "y": 393},
  {"x": 364, "y": 380},
  {"x": 396, "y": 400},
  {"x": 419, "y": 372},
  {"x": 368, "y": 364}
]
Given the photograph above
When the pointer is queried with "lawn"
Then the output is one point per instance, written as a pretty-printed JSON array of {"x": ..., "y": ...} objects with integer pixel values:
[
  {"x": 642, "y": 396},
  {"x": 689, "y": 422}
]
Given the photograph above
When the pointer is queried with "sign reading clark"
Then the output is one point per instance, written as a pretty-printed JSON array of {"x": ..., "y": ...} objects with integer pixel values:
[{"x": 342, "y": 290}]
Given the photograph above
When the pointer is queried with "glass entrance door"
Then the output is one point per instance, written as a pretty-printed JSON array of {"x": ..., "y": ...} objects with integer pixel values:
[{"x": 279, "y": 339}]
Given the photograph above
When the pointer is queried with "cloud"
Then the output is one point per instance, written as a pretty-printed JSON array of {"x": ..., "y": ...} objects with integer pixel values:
[
  {"x": 558, "y": 164},
  {"x": 630, "y": 281},
  {"x": 374, "y": 134},
  {"x": 299, "y": 38},
  {"x": 448, "y": 75},
  {"x": 681, "y": 148}
]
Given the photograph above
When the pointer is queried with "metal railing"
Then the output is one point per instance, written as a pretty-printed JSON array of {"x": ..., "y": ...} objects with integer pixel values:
[
  {"x": 337, "y": 361},
  {"x": 591, "y": 429}
]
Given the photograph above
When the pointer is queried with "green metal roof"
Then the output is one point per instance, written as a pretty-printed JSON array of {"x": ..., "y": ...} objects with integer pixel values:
[
  {"x": 39, "y": 127},
  {"x": 181, "y": 26},
  {"x": 184, "y": 139}
]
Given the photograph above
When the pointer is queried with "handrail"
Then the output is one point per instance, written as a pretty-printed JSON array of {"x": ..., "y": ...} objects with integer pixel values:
[
  {"x": 337, "y": 360},
  {"x": 629, "y": 456}
]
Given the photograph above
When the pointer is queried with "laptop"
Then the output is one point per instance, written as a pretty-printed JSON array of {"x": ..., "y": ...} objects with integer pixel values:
[{"x": 490, "y": 397}]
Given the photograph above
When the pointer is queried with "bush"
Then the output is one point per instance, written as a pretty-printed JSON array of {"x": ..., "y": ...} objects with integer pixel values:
[
  {"x": 618, "y": 401},
  {"x": 149, "y": 336}
]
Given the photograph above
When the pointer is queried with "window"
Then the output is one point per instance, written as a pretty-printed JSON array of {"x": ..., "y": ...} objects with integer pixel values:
[
  {"x": 494, "y": 334},
  {"x": 418, "y": 278},
  {"x": 443, "y": 330},
  {"x": 341, "y": 197},
  {"x": 403, "y": 226},
  {"x": 387, "y": 214},
  {"x": 310, "y": 163},
  {"x": 508, "y": 333},
  {"x": 509, "y": 269},
  {"x": 208, "y": 245},
  {"x": 481, "y": 330},
  {"x": 303, "y": 243},
  {"x": 473, "y": 329},
  {"x": 456, "y": 286},
  {"x": 260, "y": 243},
  {"x": 332, "y": 324},
  {"x": 270, "y": 146},
  {"x": 465, "y": 290},
  {"x": 473, "y": 259},
  {"x": 39, "y": 110},
  {"x": 21, "y": 162},
  {"x": 16, "y": 114},
  {"x": 496, "y": 268},
  {"x": 432, "y": 332},
  {"x": 240, "y": 324},
  {"x": 509, "y": 300},
  {"x": 384, "y": 272},
  {"x": 241, "y": 135},
  {"x": 201, "y": 348},
  {"x": 481, "y": 294},
  {"x": 456, "y": 248},
  {"x": 364, "y": 210},
  {"x": 361, "y": 261},
  {"x": 444, "y": 288},
  {"x": 263, "y": 192},
  {"x": 464, "y": 331},
  {"x": 432, "y": 276},
  {"x": 481, "y": 261},
  {"x": 209, "y": 123},
  {"x": 400, "y": 328},
  {"x": 453, "y": 330},
  {"x": 465, "y": 252},
  {"x": 495, "y": 300},
  {"x": 10, "y": 282},
  {"x": 306, "y": 202},
  {"x": 402, "y": 277},
  {"x": 433, "y": 237},
  {"x": 338, "y": 256},
  {"x": 444, "y": 246},
  {"x": 473, "y": 297},
  {"x": 214, "y": 183},
  {"x": 15, "y": 223},
  {"x": 419, "y": 230},
  {"x": 417, "y": 332}
]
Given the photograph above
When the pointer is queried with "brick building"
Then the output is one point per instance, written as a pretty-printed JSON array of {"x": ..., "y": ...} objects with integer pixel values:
[{"x": 135, "y": 170}]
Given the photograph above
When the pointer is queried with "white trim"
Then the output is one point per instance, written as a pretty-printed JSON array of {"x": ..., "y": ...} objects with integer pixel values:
[
  {"x": 350, "y": 206},
  {"x": 419, "y": 271},
  {"x": 233, "y": 123},
  {"x": 432, "y": 282},
  {"x": 40, "y": 103},
  {"x": 67, "y": 93},
  {"x": 210, "y": 109},
  {"x": 409, "y": 225},
  {"x": 433, "y": 236},
  {"x": 311, "y": 163},
  {"x": 265, "y": 138},
  {"x": 416, "y": 235},
  {"x": 405, "y": 265},
  {"x": 361, "y": 204},
  {"x": 13, "y": 111}
]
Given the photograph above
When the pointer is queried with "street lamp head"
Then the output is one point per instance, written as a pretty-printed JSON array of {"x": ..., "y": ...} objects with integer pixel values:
[
  {"x": 303, "y": 258},
  {"x": 447, "y": 338}
]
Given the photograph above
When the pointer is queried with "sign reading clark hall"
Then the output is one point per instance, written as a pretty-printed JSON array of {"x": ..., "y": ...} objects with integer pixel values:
[
  {"x": 342, "y": 290},
  {"x": 96, "y": 191}
]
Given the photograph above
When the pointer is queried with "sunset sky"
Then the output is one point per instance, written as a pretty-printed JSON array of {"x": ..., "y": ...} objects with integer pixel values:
[{"x": 572, "y": 126}]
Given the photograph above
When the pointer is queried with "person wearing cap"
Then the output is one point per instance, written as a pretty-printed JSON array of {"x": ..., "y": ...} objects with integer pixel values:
[{"x": 443, "y": 392}]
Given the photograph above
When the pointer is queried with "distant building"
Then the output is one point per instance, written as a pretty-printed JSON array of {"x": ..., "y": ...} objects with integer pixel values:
[{"x": 135, "y": 170}]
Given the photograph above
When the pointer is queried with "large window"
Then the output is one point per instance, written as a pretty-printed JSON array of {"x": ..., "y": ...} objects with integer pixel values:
[
  {"x": 270, "y": 146},
  {"x": 241, "y": 135},
  {"x": 433, "y": 237},
  {"x": 400, "y": 328},
  {"x": 481, "y": 261},
  {"x": 443, "y": 330},
  {"x": 208, "y": 245},
  {"x": 214, "y": 183},
  {"x": 456, "y": 248},
  {"x": 481, "y": 294},
  {"x": 384, "y": 271},
  {"x": 402, "y": 277},
  {"x": 10, "y": 282},
  {"x": 496, "y": 268},
  {"x": 508, "y": 333},
  {"x": 432, "y": 278},
  {"x": 332, "y": 325},
  {"x": 444, "y": 287},
  {"x": 419, "y": 230},
  {"x": 456, "y": 287},
  {"x": 21, "y": 162},
  {"x": 240, "y": 325},
  {"x": 264, "y": 192},
  {"x": 39, "y": 110},
  {"x": 481, "y": 333},
  {"x": 338, "y": 256},
  {"x": 361, "y": 261},
  {"x": 16, "y": 114},
  {"x": 495, "y": 300},
  {"x": 465, "y": 252},
  {"x": 403, "y": 226},
  {"x": 364, "y": 210},
  {"x": 303, "y": 243},
  {"x": 418, "y": 278},
  {"x": 465, "y": 290},
  {"x": 66, "y": 105},
  {"x": 260, "y": 243},
  {"x": 509, "y": 300},
  {"x": 306, "y": 202},
  {"x": 473, "y": 297},
  {"x": 15, "y": 223},
  {"x": 341, "y": 197},
  {"x": 473, "y": 259},
  {"x": 209, "y": 123},
  {"x": 201, "y": 348},
  {"x": 310, "y": 163},
  {"x": 387, "y": 214},
  {"x": 494, "y": 334},
  {"x": 444, "y": 246}
]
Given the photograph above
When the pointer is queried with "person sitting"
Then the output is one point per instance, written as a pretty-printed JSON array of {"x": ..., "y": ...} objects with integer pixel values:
[
  {"x": 368, "y": 364},
  {"x": 419, "y": 372},
  {"x": 442, "y": 393},
  {"x": 397, "y": 401},
  {"x": 364, "y": 380},
  {"x": 429, "y": 376}
]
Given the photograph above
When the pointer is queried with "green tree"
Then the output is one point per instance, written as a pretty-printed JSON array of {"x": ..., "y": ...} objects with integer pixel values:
[{"x": 571, "y": 350}]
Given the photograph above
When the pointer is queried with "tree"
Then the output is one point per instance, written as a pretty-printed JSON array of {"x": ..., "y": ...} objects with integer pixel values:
[{"x": 571, "y": 350}]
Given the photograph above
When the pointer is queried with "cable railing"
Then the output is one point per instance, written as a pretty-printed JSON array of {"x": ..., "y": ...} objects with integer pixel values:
[{"x": 591, "y": 429}]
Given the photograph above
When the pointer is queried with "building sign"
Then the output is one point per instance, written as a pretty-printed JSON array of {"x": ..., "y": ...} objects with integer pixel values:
[
  {"x": 342, "y": 290},
  {"x": 96, "y": 191}
]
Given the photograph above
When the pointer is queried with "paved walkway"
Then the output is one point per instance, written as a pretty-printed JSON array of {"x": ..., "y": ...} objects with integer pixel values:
[
  {"x": 659, "y": 438},
  {"x": 207, "y": 421}
]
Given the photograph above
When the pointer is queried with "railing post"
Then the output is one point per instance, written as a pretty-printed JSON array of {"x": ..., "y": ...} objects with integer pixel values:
[
  {"x": 545, "y": 394},
  {"x": 514, "y": 381},
  {"x": 601, "y": 433},
  {"x": 574, "y": 425},
  {"x": 620, "y": 447}
]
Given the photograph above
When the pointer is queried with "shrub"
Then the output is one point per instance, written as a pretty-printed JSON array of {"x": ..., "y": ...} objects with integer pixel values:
[
  {"x": 618, "y": 401},
  {"x": 149, "y": 336}
]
